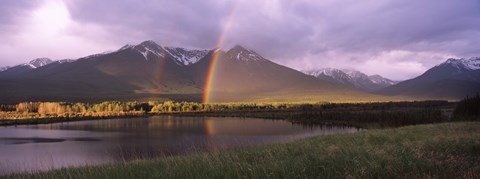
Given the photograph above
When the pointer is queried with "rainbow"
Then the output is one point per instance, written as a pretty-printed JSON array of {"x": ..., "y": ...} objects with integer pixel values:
[
  {"x": 209, "y": 126},
  {"x": 213, "y": 63}
]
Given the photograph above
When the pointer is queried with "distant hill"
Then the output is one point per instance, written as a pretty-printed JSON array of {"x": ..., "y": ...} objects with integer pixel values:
[
  {"x": 352, "y": 78},
  {"x": 150, "y": 71},
  {"x": 453, "y": 79}
]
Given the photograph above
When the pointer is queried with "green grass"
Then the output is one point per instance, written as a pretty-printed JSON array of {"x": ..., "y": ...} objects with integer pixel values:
[{"x": 446, "y": 150}]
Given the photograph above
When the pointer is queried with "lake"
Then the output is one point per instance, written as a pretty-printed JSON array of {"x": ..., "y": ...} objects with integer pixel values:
[{"x": 49, "y": 146}]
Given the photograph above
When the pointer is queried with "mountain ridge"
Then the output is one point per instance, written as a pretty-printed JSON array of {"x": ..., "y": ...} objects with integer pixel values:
[
  {"x": 352, "y": 78},
  {"x": 452, "y": 79}
]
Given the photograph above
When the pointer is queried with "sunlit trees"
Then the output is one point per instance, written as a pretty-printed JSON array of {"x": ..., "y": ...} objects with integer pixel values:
[
  {"x": 27, "y": 107},
  {"x": 51, "y": 108}
]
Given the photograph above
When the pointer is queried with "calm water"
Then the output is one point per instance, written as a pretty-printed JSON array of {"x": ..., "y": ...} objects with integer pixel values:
[{"x": 43, "y": 147}]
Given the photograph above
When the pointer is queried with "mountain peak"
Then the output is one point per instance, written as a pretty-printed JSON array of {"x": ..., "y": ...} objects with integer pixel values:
[
  {"x": 238, "y": 48},
  {"x": 39, "y": 62},
  {"x": 242, "y": 54},
  {"x": 147, "y": 49},
  {"x": 469, "y": 64},
  {"x": 127, "y": 46},
  {"x": 356, "y": 74},
  {"x": 149, "y": 43}
]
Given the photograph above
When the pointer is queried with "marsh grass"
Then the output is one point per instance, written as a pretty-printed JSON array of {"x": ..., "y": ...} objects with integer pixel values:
[{"x": 446, "y": 150}]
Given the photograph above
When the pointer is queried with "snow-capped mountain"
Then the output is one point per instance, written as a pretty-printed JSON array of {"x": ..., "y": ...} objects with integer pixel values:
[
  {"x": 463, "y": 63},
  {"x": 453, "y": 79},
  {"x": 151, "y": 50},
  {"x": 332, "y": 75},
  {"x": 186, "y": 56},
  {"x": 352, "y": 78},
  {"x": 33, "y": 64},
  {"x": 39, "y": 62}
]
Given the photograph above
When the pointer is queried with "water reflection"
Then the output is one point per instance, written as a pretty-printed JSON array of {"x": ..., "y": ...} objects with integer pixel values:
[{"x": 41, "y": 147}]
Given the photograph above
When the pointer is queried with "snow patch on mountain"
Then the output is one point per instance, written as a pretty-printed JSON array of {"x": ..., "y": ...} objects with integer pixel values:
[
  {"x": 243, "y": 54},
  {"x": 186, "y": 56},
  {"x": 377, "y": 79},
  {"x": 39, "y": 62},
  {"x": 249, "y": 56},
  {"x": 4, "y": 68},
  {"x": 324, "y": 71},
  {"x": 149, "y": 47},
  {"x": 152, "y": 51},
  {"x": 66, "y": 60}
]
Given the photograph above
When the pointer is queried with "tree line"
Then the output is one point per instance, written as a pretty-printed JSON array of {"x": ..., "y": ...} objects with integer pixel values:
[
  {"x": 133, "y": 108},
  {"x": 468, "y": 108}
]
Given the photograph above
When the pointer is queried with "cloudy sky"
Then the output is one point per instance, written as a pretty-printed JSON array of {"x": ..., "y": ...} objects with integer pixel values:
[{"x": 395, "y": 38}]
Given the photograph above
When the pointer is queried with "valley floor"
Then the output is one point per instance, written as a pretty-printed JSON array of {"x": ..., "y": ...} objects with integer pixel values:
[{"x": 444, "y": 150}]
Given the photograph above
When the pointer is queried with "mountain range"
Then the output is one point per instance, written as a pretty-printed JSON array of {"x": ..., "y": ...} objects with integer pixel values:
[
  {"x": 352, "y": 78},
  {"x": 149, "y": 71}
]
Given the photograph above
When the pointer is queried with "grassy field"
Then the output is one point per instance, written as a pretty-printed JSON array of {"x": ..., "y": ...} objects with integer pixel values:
[{"x": 445, "y": 150}]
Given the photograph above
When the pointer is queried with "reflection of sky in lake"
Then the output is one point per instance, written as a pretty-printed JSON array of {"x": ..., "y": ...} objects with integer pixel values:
[{"x": 41, "y": 147}]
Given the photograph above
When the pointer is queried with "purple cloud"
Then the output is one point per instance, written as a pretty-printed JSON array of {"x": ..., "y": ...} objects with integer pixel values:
[{"x": 398, "y": 39}]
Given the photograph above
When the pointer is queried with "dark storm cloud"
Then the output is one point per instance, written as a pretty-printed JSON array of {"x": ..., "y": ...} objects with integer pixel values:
[
  {"x": 406, "y": 37},
  {"x": 348, "y": 25},
  {"x": 367, "y": 25},
  {"x": 193, "y": 23},
  {"x": 12, "y": 10}
]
